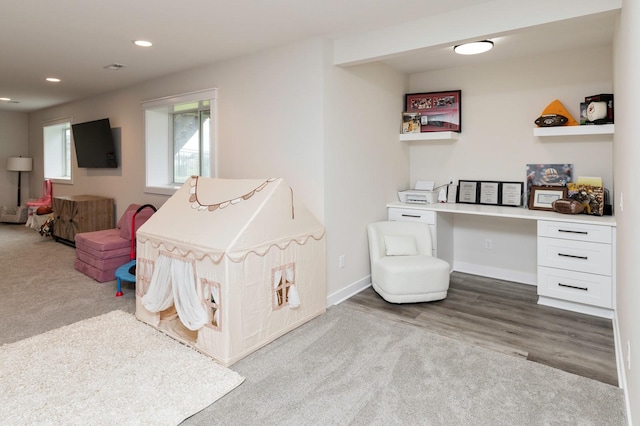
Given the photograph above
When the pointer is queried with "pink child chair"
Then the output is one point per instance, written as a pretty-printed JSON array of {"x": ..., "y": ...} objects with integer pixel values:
[{"x": 46, "y": 200}]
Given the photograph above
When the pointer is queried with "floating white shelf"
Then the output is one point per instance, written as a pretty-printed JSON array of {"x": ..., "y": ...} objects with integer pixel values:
[
  {"x": 428, "y": 136},
  {"x": 603, "y": 129}
]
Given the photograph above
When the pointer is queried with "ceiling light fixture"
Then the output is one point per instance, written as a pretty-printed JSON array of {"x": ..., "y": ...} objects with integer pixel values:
[
  {"x": 142, "y": 43},
  {"x": 473, "y": 48},
  {"x": 5, "y": 99},
  {"x": 53, "y": 80}
]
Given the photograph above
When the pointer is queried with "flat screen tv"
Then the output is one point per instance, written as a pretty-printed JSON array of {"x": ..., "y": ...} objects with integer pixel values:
[{"x": 94, "y": 144}]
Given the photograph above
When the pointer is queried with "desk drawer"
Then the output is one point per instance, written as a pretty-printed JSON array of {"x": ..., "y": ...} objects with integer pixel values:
[
  {"x": 574, "y": 286},
  {"x": 412, "y": 215},
  {"x": 575, "y": 231},
  {"x": 594, "y": 258}
]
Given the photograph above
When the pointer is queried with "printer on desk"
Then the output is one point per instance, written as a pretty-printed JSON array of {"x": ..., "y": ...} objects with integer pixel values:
[{"x": 424, "y": 193}]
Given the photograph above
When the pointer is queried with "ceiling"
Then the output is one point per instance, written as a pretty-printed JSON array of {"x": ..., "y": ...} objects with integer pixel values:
[{"x": 75, "y": 39}]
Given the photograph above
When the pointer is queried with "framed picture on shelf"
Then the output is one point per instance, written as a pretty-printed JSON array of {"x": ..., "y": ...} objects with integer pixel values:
[
  {"x": 490, "y": 192},
  {"x": 410, "y": 122},
  {"x": 511, "y": 193},
  {"x": 439, "y": 111},
  {"x": 542, "y": 197},
  {"x": 467, "y": 192},
  {"x": 548, "y": 175}
]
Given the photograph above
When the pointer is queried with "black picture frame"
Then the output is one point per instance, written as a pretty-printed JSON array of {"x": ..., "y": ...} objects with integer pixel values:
[
  {"x": 439, "y": 111},
  {"x": 467, "y": 192},
  {"x": 490, "y": 193}
]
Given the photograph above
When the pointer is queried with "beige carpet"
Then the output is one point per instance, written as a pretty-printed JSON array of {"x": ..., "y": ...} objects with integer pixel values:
[{"x": 107, "y": 370}]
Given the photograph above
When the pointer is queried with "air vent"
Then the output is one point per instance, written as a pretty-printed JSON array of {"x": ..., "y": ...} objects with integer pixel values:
[{"x": 115, "y": 66}]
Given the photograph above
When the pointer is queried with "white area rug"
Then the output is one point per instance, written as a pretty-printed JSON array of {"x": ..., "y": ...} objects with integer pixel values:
[{"x": 111, "y": 369}]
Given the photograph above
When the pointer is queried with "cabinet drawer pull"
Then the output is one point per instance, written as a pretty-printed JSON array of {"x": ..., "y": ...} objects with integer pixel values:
[
  {"x": 573, "y": 232},
  {"x": 573, "y": 286},
  {"x": 573, "y": 256},
  {"x": 411, "y": 215}
]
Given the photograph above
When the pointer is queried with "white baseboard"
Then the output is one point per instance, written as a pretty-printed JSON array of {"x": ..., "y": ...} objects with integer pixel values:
[
  {"x": 622, "y": 372},
  {"x": 497, "y": 273},
  {"x": 576, "y": 307},
  {"x": 347, "y": 292}
]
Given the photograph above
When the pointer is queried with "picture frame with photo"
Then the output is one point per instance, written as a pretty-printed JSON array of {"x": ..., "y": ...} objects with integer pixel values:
[
  {"x": 542, "y": 197},
  {"x": 439, "y": 111},
  {"x": 547, "y": 175}
]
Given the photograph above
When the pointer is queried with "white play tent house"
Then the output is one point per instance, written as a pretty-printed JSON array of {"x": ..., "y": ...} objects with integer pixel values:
[{"x": 229, "y": 265}]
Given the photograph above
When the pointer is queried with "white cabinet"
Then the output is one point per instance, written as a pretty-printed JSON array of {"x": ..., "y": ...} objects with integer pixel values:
[
  {"x": 576, "y": 260},
  {"x": 576, "y": 264},
  {"x": 440, "y": 227}
]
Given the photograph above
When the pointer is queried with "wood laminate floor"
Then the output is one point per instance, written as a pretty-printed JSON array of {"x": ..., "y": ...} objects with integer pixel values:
[{"x": 504, "y": 316}]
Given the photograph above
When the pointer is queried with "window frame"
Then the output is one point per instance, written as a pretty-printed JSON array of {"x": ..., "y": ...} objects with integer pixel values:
[
  {"x": 158, "y": 139},
  {"x": 69, "y": 154}
]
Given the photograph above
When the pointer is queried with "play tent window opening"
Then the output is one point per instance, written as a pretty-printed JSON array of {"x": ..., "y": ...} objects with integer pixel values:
[
  {"x": 285, "y": 292},
  {"x": 211, "y": 291}
]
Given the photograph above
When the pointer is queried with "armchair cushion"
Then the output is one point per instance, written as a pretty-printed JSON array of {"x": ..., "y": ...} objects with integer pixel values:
[{"x": 400, "y": 245}]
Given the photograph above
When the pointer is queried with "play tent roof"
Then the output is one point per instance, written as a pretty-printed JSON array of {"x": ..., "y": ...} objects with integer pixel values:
[{"x": 232, "y": 217}]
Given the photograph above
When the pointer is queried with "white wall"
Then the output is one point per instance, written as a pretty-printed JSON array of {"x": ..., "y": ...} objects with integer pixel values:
[
  {"x": 500, "y": 101},
  {"x": 626, "y": 156},
  {"x": 364, "y": 165},
  {"x": 13, "y": 143},
  {"x": 270, "y": 125}
]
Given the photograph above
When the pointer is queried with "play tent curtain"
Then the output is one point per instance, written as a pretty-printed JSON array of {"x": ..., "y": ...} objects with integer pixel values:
[{"x": 162, "y": 294}]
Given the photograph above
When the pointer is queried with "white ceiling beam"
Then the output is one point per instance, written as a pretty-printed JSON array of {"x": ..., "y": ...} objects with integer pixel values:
[{"x": 493, "y": 18}]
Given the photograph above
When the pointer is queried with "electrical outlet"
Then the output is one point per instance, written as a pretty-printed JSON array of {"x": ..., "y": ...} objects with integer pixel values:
[
  {"x": 488, "y": 244},
  {"x": 341, "y": 261}
]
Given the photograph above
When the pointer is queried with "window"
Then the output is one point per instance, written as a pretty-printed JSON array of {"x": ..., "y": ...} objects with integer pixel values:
[
  {"x": 191, "y": 154},
  {"x": 56, "y": 138},
  {"x": 284, "y": 292},
  {"x": 212, "y": 292},
  {"x": 179, "y": 140}
]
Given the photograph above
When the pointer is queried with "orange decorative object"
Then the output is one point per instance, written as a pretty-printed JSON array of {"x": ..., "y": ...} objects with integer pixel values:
[{"x": 556, "y": 107}]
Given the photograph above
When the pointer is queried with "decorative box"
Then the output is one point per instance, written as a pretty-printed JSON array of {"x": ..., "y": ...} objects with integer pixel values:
[{"x": 599, "y": 109}]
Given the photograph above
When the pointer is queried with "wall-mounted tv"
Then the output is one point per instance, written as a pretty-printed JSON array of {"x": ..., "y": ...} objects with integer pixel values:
[{"x": 95, "y": 147}]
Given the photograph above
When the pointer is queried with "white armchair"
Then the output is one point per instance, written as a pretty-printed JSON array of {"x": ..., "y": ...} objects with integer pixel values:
[{"x": 403, "y": 269}]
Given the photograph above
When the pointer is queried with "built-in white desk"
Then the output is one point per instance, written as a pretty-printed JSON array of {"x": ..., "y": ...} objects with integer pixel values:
[{"x": 575, "y": 253}]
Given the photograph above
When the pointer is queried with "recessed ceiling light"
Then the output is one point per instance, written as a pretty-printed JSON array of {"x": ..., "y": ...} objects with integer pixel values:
[
  {"x": 473, "y": 48},
  {"x": 53, "y": 80},
  {"x": 142, "y": 43},
  {"x": 5, "y": 99}
]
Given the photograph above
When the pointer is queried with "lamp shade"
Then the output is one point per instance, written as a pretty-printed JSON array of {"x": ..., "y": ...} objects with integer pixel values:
[{"x": 19, "y": 164}]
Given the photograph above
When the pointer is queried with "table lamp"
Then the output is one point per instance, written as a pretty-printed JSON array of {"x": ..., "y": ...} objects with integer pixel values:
[{"x": 19, "y": 164}]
